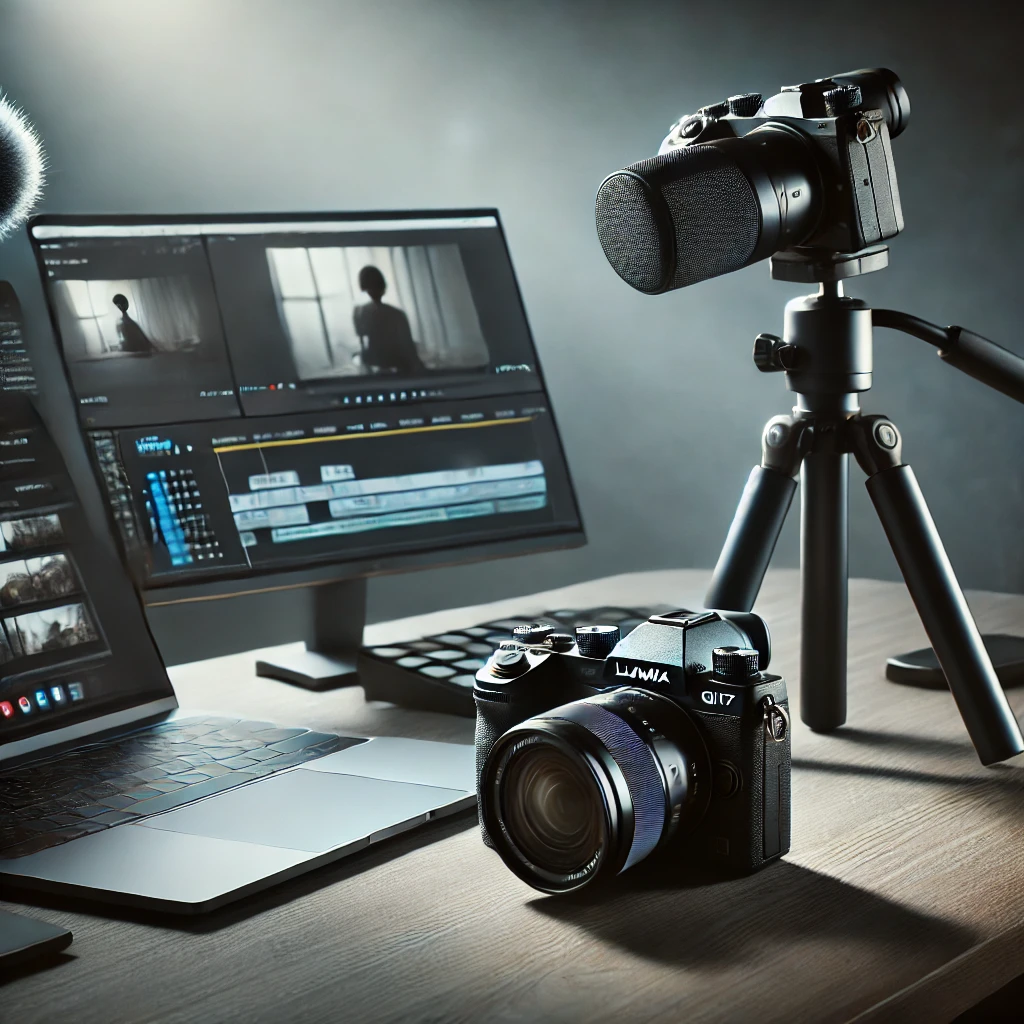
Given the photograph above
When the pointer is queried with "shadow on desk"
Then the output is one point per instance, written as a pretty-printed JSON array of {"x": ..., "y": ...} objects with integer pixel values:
[
  {"x": 36, "y": 967},
  {"x": 661, "y": 915}
]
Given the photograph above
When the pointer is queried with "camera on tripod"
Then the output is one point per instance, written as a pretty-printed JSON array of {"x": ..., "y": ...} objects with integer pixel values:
[
  {"x": 809, "y": 168},
  {"x": 594, "y": 752},
  {"x": 806, "y": 177}
]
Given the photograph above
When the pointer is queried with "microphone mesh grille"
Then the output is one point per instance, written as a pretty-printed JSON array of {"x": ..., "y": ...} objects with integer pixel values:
[
  {"x": 714, "y": 211},
  {"x": 628, "y": 232}
]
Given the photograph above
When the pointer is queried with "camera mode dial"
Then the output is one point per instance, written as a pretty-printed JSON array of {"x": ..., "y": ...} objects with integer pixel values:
[
  {"x": 713, "y": 111},
  {"x": 596, "y": 641},
  {"x": 746, "y": 104},
  {"x": 735, "y": 663},
  {"x": 842, "y": 99}
]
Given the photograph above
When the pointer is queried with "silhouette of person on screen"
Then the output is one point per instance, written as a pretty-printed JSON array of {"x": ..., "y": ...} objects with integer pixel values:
[
  {"x": 133, "y": 337},
  {"x": 383, "y": 330}
]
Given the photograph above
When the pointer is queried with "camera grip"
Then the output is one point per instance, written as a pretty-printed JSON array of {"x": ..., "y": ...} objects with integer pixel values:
[{"x": 493, "y": 719}]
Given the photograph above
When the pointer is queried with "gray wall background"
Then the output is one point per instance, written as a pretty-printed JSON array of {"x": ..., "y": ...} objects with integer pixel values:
[{"x": 238, "y": 105}]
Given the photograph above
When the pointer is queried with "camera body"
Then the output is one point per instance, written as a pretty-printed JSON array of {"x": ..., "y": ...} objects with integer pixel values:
[
  {"x": 685, "y": 733},
  {"x": 844, "y": 125}
]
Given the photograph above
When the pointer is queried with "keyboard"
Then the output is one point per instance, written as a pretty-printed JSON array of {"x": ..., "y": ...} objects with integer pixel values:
[
  {"x": 436, "y": 673},
  {"x": 91, "y": 788}
]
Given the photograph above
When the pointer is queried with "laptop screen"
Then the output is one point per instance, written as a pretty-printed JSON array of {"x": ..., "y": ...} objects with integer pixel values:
[{"x": 73, "y": 640}]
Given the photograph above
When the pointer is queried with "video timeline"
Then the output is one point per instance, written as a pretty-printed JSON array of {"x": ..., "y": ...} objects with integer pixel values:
[
  {"x": 379, "y": 503},
  {"x": 282, "y": 493}
]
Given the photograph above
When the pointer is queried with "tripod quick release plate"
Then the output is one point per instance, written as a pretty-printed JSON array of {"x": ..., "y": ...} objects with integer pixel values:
[{"x": 810, "y": 266}]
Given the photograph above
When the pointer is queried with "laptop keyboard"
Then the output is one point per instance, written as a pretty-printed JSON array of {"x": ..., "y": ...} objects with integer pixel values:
[
  {"x": 91, "y": 788},
  {"x": 436, "y": 673}
]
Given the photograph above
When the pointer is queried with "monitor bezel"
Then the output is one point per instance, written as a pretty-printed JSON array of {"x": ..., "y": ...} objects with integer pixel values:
[{"x": 320, "y": 572}]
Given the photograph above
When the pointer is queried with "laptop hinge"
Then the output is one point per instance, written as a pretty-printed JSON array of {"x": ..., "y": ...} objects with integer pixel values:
[{"x": 48, "y": 744}]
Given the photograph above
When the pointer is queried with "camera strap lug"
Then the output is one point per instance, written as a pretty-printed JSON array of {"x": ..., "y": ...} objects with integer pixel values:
[{"x": 776, "y": 720}]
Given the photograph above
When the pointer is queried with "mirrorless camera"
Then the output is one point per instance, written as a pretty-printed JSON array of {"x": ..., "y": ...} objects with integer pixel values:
[
  {"x": 593, "y": 752},
  {"x": 806, "y": 171}
]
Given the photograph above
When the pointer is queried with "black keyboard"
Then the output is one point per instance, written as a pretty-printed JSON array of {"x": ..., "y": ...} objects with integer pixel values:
[
  {"x": 436, "y": 673},
  {"x": 90, "y": 788}
]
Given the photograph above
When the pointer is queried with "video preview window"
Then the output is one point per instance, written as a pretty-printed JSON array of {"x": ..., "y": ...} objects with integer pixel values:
[
  {"x": 356, "y": 311},
  {"x": 140, "y": 329},
  {"x": 120, "y": 320}
]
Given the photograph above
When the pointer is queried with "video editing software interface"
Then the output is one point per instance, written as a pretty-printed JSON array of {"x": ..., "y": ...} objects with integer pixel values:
[
  {"x": 268, "y": 394},
  {"x": 62, "y": 597}
]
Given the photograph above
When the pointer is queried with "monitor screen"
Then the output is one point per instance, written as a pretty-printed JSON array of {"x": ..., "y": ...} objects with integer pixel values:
[{"x": 264, "y": 394}]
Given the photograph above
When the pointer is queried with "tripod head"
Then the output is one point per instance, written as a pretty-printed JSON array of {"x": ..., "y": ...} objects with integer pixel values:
[{"x": 840, "y": 347}]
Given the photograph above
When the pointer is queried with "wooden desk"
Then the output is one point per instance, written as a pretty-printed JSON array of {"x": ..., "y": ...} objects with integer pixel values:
[{"x": 902, "y": 898}]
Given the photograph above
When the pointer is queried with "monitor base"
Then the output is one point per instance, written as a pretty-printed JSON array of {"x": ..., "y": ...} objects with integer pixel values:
[
  {"x": 336, "y": 616},
  {"x": 312, "y": 670}
]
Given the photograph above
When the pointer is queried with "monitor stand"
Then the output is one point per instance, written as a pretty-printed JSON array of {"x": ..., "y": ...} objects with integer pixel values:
[{"x": 336, "y": 618}]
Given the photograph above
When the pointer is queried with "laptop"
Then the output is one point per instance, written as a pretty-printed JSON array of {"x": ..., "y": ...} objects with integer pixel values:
[{"x": 111, "y": 792}]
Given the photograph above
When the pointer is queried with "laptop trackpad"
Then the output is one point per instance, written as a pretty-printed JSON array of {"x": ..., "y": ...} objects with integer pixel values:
[{"x": 308, "y": 810}]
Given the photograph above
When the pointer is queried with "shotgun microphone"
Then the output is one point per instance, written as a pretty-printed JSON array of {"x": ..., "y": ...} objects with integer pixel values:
[{"x": 21, "y": 167}]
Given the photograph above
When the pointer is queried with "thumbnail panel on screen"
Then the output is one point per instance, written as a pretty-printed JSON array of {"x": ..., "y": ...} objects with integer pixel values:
[
  {"x": 353, "y": 311},
  {"x": 52, "y": 629},
  {"x": 23, "y": 581},
  {"x": 31, "y": 532}
]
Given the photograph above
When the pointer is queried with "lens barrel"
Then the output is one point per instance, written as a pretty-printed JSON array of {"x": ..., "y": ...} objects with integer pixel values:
[
  {"x": 587, "y": 790},
  {"x": 708, "y": 209}
]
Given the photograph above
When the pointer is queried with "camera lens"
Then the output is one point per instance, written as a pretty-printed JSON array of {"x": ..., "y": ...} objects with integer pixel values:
[
  {"x": 708, "y": 209},
  {"x": 553, "y": 807},
  {"x": 588, "y": 789}
]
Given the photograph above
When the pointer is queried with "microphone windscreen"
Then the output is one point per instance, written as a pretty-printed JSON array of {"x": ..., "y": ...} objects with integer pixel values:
[
  {"x": 679, "y": 218},
  {"x": 21, "y": 167}
]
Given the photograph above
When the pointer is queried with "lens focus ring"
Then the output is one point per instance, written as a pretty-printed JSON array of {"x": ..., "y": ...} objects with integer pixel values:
[{"x": 637, "y": 764}]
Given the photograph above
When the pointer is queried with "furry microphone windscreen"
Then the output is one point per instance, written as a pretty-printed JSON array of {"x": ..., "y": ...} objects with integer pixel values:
[{"x": 21, "y": 167}]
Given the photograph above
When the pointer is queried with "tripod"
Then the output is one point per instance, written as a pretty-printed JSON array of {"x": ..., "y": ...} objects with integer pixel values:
[{"x": 826, "y": 355}]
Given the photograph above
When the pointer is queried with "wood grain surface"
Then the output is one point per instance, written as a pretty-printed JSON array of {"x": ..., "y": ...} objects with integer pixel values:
[{"x": 902, "y": 898}]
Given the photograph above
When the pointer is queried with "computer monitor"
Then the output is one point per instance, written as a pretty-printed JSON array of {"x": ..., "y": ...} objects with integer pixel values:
[{"x": 303, "y": 400}]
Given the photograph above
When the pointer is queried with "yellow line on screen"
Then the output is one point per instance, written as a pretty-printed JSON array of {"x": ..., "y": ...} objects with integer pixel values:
[{"x": 373, "y": 433}]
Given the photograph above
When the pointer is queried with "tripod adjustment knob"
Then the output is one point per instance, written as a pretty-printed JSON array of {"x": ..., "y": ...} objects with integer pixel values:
[{"x": 772, "y": 354}]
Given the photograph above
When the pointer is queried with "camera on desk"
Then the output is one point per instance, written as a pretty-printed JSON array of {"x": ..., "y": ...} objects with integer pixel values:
[{"x": 594, "y": 752}]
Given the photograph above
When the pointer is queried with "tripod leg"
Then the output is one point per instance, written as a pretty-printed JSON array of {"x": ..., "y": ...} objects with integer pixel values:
[
  {"x": 758, "y": 520},
  {"x": 824, "y": 545},
  {"x": 933, "y": 586}
]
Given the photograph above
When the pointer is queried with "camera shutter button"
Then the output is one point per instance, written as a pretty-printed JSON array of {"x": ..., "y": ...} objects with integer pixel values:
[
  {"x": 509, "y": 660},
  {"x": 532, "y": 633},
  {"x": 560, "y": 641}
]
